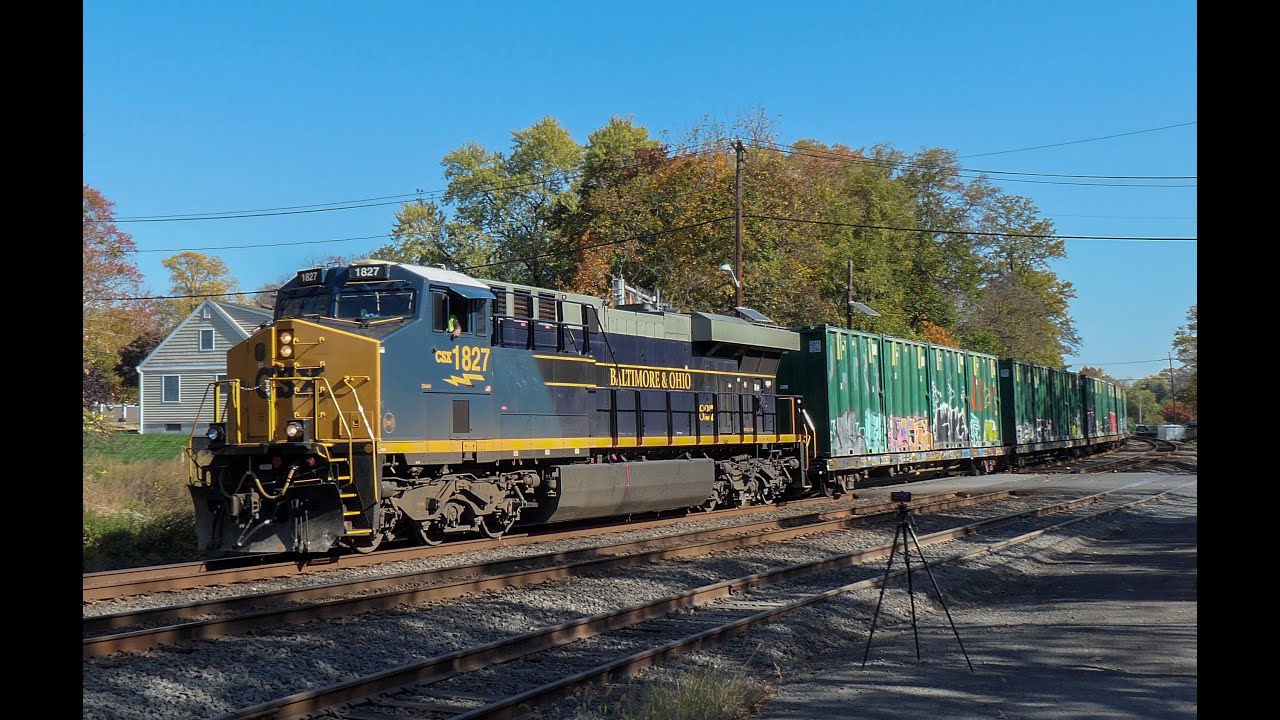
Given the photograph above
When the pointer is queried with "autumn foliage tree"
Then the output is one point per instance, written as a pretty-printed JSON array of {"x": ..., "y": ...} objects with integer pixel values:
[
  {"x": 194, "y": 277},
  {"x": 941, "y": 255},
  {"x": 114, "y": 312}
]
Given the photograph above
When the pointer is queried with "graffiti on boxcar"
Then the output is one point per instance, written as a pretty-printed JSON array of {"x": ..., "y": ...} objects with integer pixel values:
[
  {"x": 949, "y": 426},
  {"x": 847, "y": 436},
  {"x": 909, "y": 434}
]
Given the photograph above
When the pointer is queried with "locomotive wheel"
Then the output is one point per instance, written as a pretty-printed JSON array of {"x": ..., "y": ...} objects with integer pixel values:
[
  {"x": 493, "y": 527},
  {"x": 431, "y": 533}
]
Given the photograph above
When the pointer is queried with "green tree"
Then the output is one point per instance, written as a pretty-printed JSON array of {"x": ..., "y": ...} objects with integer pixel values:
[
  {"x": 423, "y": 236},
  {"x": 1185, "y": 348},
  {"x": 509, "y": 200},
  {"x": 1143, "y": 407},
  {"x": 194, "y": 277}
]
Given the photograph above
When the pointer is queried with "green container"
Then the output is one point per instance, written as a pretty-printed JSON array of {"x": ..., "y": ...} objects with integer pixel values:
[
  {"x": 948, "y": 397},
  {"x": 906, "y": 395},
  {"x": 1122, "y": 409},
  {"x": 1024, "y": 391},
  {"x": 838, "y": 372},
  {"x": 1040, "y": 404},
  {"x": 983, "y": 393},
  {"x": 1067, "y": 406},
  {"x": 1104, "y": 407}
]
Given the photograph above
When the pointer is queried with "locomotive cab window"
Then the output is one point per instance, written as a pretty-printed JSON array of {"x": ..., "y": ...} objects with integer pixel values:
[{"x": 452, "y": 311}]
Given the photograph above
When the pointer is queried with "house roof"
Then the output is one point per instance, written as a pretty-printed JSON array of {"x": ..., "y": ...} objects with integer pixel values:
[{"x": 243, "y": 319}]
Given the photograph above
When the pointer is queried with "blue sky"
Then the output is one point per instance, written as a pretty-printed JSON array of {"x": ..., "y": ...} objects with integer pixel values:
[{"x": 206, "y": 107}]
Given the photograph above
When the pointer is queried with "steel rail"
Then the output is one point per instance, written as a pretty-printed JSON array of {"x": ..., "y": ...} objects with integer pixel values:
[
  {"x": 695, "y": 543},
  {"x": 470, "y": 659},
  {"x": 113, "y": 584}
]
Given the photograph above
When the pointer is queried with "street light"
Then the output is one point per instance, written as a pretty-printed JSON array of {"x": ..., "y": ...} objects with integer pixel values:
[
  {"x": 851, "y": 305},
  {"x": 729, "y": 269}
]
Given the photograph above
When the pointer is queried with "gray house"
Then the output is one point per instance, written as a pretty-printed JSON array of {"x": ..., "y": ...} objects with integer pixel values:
[{"x": 172, "y": 380}]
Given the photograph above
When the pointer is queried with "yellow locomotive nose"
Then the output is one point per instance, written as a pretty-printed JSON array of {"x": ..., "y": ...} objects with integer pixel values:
[{"x": 301, "y": 381}]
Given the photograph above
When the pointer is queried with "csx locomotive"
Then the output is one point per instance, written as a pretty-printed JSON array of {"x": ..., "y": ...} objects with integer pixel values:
[{"x": 390, "y": 400}]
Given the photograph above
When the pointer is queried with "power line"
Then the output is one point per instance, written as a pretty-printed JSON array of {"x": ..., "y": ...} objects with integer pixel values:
[
  {"x": 138, "y": 218},
  {"x": 576, "y": 248},
  {"x": 1075, "y": 142},
  {"x": 969, "y": 232},
  {"x": 961, "y": 172},
  {"x": 261, "y": 245},
  {"x": 1126, "y": 362},
  {"x": 820, "y": 154},
  {"x": 677, "y": 152}
]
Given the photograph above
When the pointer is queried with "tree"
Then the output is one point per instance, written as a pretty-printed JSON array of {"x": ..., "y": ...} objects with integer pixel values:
[
  {"x": 194, "y": 277},
  {"x": 131, "y": 355},
  {"x": 424, "y": 236},
  {"x": 1186, "y": 349},
  {"x": 1143, "y": 407},
  {"x": 114, "y": 312},
  {"x": 1179, "y": 413},
  {"x": 509, "y": 200}
]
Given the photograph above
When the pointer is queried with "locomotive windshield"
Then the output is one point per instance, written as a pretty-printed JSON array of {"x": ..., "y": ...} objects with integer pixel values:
[
  {"x": 370, "y": 301},
  {"x": 302, "y": 302}
]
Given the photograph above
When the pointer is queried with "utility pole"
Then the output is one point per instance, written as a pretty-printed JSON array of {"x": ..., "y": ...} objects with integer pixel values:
[
  {"x": 848, "y": 298},
  {"x": 1173, "y": 389},
  {"x": 737, "y": 211}
]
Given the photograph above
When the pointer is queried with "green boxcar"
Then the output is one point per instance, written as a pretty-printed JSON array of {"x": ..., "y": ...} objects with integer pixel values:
[
  {"x": 1122, "y": 408},
  {"x": 838, "y": 373},
  {"x": 1067, "y": 404},
  {"x": 948, "y": 397},
  {"x": 1104, "y": 407},
  {"x": 906, "y": 395},
  {"x": 1040, "y": 404},
  {"x": 983, "y": 394}
]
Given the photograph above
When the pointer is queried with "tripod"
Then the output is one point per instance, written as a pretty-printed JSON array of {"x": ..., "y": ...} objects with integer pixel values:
[{"x": 907, "y": 526}]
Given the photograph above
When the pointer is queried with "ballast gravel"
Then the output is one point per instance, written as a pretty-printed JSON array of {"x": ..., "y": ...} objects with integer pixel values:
[{"x": 205, "y": 678}]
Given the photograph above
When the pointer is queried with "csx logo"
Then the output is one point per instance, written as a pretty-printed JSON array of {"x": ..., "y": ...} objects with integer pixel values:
[
  {"x": 465, "y": 358},
  {"x": 706, "y": 412}
]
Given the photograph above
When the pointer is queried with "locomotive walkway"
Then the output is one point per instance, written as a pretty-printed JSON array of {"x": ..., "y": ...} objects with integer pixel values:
[{"x": 1105, "y": 631}]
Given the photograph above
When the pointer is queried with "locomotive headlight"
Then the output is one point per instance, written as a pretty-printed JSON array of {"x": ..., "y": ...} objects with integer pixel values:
[
  {"x": 296, "y": 431},
  {"x": 216, "y": 433},
  {"x": 286, "y": 344},
  {"x": 286, "y": 337},
  {"x": 286, "y": 351}
]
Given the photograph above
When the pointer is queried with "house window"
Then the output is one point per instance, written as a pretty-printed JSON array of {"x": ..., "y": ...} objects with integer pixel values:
[
  {"x": 205, "y": 313},
  {"x": 169, "y": 393},
  {"x": 206, "y": 339}
]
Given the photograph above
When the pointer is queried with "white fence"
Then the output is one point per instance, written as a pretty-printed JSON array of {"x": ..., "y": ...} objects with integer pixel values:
[{"x": 118, "y": 413}]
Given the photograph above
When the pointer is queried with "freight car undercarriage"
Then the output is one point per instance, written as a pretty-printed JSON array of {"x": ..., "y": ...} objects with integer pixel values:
[{"x": 288, "y": 498}]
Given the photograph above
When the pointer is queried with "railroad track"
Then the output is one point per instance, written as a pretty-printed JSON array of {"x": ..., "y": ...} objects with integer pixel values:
[
  {"x": 116, "y": 584},
  {"x": 541, "y": 664},
  {"x": 204, "y": 620}
]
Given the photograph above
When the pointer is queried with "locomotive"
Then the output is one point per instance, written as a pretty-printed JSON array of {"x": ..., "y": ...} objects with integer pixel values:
[{"x": 387, "y": 400}]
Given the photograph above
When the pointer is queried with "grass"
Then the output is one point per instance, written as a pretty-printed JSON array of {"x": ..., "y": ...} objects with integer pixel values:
[
  {"x": 701, "y": 694},
  {"x": 137, "y": 510}
]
